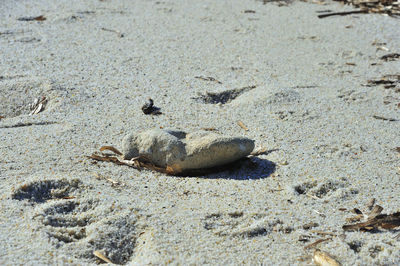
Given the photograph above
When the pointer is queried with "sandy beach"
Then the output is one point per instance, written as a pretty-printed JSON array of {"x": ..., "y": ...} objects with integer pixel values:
[{"x": 320, "y": 96}]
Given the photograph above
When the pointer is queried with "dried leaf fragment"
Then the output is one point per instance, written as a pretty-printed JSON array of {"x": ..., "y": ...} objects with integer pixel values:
[
  {"x": 100, "y": 255},
  {"x": 324, "y": 259}
]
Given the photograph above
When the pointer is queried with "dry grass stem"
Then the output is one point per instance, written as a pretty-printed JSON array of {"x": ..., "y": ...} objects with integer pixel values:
[
  {"x": 319, "y": 241},
  {"x": 99, "y": 255}
]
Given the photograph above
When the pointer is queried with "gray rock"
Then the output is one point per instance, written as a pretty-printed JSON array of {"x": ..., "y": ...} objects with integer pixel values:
[{"x": 183, "y": 151}]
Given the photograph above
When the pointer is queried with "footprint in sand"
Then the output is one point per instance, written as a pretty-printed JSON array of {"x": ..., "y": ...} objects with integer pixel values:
[
  {"x": 238, "y": 224},
  {"x": 80, "y": 225}
]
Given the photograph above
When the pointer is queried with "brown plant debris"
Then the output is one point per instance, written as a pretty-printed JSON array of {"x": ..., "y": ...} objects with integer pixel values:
[
  {"x": 38, "y": 105},
  {"x": 110, "y": 148},
  {"x": 342, "y": 13},
  {"x": 208, "y": 79},
  {"x": 240, "y": 123},
  {"x": 137, "y": 162},
  {"x": 150, "y": 109},
  {"x": 389, "y": 7},
  {"x": 390, "y": 57},
  {"x": 324, "y": 259},
  {"x": 100, "y": 255},
  {"x": 319, "y": 241},
  {"x": 375, "y": 221},
  {"x": 385, "y": 80},
  {"x": 36, "y": 18}
]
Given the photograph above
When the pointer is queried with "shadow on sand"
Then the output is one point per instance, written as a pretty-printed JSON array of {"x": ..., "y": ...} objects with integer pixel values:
[{"x": 249, "y": 168}]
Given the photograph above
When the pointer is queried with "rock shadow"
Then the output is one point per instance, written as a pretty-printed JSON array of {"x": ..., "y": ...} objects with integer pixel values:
[{"x": 249, "y": 168}]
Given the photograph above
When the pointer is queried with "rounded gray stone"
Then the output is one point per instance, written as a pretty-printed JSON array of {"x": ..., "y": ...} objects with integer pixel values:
[{"x": 183, "y": 151}]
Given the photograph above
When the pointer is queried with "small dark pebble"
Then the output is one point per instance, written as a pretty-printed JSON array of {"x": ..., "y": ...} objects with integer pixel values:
[{"x": 150, "y": 109}]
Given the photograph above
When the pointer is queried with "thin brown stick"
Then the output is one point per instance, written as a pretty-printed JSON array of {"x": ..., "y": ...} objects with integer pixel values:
[
  {"x": 317, "y": 242},
  {"x": 342, "y": 13},
  {"x": 110, "y": 148}
]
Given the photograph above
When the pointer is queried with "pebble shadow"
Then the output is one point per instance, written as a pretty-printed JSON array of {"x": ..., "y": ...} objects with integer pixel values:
[{"x": 249, "y": 168}]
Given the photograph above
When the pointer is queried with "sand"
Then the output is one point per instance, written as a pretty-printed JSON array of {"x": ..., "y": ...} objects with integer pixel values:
[{"x": 305, "y": 100}]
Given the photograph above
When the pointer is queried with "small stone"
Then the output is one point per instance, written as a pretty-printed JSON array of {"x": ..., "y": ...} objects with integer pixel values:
[
  {"x": 150, "y": 109},
  {"x": 186, "y": 151}
]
